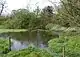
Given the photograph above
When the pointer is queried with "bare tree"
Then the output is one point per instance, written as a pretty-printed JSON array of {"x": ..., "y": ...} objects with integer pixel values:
[{"x": 2, "y": 6}]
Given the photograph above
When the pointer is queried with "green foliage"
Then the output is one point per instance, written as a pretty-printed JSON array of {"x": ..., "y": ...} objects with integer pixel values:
[
  {"x": 71, "y": 44},
  {"x": 67, "y": 21},
  {"x": 69, "y": 13},
  {"x": 3, "y": 44},
  {"x": 2, "y": 20},
  {"x": 29, "y": 52},
  {"x": 23, "y": 20}
]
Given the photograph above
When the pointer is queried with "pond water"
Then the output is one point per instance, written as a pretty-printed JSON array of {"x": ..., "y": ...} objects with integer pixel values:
[{"x": 21, "y": 40}]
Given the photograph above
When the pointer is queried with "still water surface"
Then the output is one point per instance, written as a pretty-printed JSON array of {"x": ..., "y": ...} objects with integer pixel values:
[{"x": 21, "y": 40}]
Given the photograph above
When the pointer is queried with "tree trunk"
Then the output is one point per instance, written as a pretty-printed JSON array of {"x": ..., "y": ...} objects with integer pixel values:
[{"x": 1, "y": 9}]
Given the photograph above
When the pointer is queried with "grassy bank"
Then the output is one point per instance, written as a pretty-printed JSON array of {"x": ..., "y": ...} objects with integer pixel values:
[
  {"x": 12, "y": 30},
  {"x": 54, "y": 49}
]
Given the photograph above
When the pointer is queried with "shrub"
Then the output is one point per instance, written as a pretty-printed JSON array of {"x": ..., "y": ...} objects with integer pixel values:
[
  {"x": 29, "y": 52},
  {"x": 71, "y": 44}
]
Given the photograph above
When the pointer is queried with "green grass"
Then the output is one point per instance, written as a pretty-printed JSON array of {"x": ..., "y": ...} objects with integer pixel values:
[{"x": 12, "y": 30}]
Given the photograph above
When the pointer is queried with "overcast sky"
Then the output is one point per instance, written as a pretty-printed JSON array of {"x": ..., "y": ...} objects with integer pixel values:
[{"x": 16, "y": 4}]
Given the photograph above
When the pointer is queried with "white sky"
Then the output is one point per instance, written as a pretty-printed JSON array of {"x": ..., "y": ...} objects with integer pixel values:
[{"x": 16, "y": 4}]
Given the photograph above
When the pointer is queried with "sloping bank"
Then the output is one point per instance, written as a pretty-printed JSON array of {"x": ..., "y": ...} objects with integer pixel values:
[
  {"x": 56, "y": 45},
  {"x": 28, "y": 52}
]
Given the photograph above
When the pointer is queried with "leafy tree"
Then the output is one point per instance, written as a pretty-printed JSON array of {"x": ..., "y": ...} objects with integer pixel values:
[
  {"x": 48, "y": 10},
  {"x": 22, "y": 18},
  {"x": 25, "y": 19},
  {"x": 69, "y": 13}
]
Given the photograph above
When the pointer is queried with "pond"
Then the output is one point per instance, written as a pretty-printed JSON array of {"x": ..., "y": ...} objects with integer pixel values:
[{"x": 21, "y": 40}]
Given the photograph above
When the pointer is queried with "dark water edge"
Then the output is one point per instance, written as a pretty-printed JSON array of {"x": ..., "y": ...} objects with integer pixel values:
[{"x": 21, "y": 40}]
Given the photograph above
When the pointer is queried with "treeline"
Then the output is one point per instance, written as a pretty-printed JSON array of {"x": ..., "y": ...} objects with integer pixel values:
[
  {"x": 68, "y": 14},
  {"x": 25, "y": 19}
]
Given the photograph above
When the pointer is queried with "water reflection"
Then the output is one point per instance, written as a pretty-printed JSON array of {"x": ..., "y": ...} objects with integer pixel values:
[
  {"x": 17, "y": 45},
  {"x": 21, "y": 40}
]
